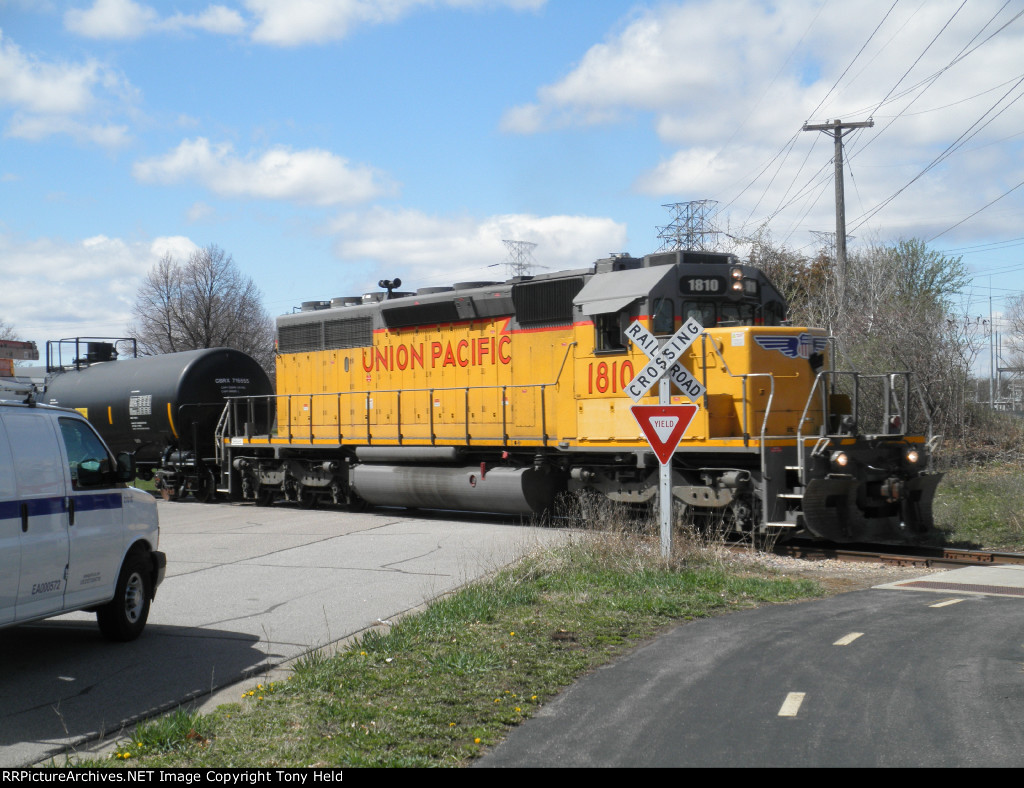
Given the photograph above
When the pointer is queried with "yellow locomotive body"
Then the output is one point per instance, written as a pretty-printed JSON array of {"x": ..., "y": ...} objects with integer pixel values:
[{"x": 499, "y": 396}]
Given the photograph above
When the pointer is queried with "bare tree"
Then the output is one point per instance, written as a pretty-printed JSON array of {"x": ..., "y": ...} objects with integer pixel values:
[
  {"x": 6, "y": 330},
  {"x": 202, "y": 303},
  {"x": 1014, "y": 316},
  {"x": 899, "y": 314}
]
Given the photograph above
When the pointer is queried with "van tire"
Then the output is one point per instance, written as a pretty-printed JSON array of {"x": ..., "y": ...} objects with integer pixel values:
[{"x": 124, "y": 617}]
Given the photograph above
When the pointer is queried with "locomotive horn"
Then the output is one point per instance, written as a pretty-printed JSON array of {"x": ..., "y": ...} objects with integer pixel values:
[{"x": 389, "y": 285}]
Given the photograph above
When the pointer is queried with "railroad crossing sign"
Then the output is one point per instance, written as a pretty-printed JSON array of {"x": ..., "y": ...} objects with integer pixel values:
[
  {"x": 664, "y": 426},
  {"x": 664, "y": 360}
]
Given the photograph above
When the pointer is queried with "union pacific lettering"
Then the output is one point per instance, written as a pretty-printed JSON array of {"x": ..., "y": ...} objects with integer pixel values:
[{"x": 476, "y": 352}]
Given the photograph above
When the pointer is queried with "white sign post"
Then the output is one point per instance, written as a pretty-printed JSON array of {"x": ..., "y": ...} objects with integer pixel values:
[{"x": 664, "y": 366}]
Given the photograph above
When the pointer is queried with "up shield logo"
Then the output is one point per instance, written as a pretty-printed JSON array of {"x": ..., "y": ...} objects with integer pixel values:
[{"x": 793, "y": 347}]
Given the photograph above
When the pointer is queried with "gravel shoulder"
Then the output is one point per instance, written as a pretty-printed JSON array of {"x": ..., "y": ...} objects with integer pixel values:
[{"x": 835, "y": 576}]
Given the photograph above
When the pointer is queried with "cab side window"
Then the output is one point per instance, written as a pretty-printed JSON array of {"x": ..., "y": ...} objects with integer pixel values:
[
  {"x": 608, "y": 336},
  {"x": 663, "y": 318},
  {"x": 90, "y": 463}
]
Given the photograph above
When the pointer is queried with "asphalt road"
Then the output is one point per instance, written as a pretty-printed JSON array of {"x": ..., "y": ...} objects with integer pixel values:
[
  {"x": 883, "y": 677},
  {"x": 246, "y": 588}
]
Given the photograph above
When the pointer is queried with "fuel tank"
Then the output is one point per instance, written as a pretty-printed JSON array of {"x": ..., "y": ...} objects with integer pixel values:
[{"x": 504, "y": 490}]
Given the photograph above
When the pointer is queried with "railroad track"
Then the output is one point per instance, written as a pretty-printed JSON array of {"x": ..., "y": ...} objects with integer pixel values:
[{"x": 893, "y": 555}]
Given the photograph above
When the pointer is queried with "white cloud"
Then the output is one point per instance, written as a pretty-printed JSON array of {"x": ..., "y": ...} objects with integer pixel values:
[
  {"x": 53, "y": 98},
  {"x": 45, "y": 88},
  {"x": 429, "y": 250},
  {"x": 36, "y": 127},
  {"x": 200, "y": 211},
  {"x": 55, "y": 288},
  {"x": 215, "y": 19},
  {"x": 727, "y": 85},
  {"x": 311, "y": 176},
  {"x": 111, "y": 19},
  {"x": 123, "y": 19},
  {"x": 315, "y": 21},
  {"x": 276, "y": 22}
]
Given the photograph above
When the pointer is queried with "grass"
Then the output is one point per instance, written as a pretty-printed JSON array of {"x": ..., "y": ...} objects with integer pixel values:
[
  {"x": 441, "y": 686},
  {"x": 982, "y": 506}
]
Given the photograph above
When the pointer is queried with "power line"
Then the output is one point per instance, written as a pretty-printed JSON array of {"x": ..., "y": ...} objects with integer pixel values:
[
  {"x": 982, "y": 208},
  {"x": 971, "y": 131}
]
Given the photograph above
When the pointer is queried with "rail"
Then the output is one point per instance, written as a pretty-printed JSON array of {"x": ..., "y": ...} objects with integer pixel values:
[{"x": 293, "y": 404}]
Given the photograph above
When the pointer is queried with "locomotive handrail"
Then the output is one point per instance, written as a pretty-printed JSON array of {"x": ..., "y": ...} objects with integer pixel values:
[
  {"x": 232, "y": 402},
  {"x": 763, "y": 434},
  {"x": 743, "y": 385},
  {"x": 890, "y": 387}
]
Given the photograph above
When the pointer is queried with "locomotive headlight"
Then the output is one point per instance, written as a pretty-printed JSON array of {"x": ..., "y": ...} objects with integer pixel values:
[
  {"x": 737, "y": 286},
  {"x": 840, "y": 459},
  {"x": 736, "y": 273},
  {"x": 912, "y": 456}
]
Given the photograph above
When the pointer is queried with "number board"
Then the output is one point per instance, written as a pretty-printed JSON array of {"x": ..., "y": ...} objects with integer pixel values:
[{"x": 702, "y": 285}]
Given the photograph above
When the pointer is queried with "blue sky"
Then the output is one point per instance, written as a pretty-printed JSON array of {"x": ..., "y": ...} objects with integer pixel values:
[{"x": 326, "y": 144}]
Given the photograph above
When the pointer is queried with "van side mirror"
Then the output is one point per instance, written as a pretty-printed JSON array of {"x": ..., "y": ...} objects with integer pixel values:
[
  {"x": 90, "y": 473},
  {"x": 125, "y": 467}
]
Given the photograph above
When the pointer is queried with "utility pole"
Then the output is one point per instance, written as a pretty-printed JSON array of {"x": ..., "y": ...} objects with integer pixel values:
[{"x": 836, "y": 128}]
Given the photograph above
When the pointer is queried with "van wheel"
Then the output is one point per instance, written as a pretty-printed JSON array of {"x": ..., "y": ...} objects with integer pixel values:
[{"x": 124, "y": 617}]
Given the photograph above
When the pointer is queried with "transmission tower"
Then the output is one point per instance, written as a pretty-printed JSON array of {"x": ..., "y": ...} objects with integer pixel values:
[
  {"x": 691, "y": 228},
  {"x": 520, "y": 258},
  {"x": 826, "y": 242}
]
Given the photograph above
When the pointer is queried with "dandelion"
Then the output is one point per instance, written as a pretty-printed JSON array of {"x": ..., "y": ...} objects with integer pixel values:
[
  {"x": 518, "y": 709},
  {"x": 511, "y": 634},
  {"x": 451, "y": 724},
  {"x": 476, "y": 740}
]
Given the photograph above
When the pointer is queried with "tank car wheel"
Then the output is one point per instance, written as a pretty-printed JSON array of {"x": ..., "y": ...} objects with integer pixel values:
[
  {"x": 124, "y": 617},
  {"x": 356, "y": 504}
]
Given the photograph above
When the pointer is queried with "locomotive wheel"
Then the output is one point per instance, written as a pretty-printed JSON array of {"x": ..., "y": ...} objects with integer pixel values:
[
  {"x": 307, "y": 499},
  {"x": 207, "y": 490},
  {"x": 264, "y": 496}
]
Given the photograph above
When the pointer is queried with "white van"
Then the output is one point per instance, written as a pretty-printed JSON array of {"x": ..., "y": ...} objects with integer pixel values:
[{"x": 73, "y": 534}]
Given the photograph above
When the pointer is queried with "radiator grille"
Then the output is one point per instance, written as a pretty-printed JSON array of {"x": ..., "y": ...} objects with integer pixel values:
[
  {"x": 303, "y": 338},
  {"x": 352, "y": 332},
  {"x": 548, "y": 302}
]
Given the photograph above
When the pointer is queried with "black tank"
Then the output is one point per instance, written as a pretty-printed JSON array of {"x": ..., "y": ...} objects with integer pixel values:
[{"x": 150, "y": 404}]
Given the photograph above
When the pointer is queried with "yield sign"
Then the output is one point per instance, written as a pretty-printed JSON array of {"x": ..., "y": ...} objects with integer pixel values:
[{"x": 664, "y": 426}]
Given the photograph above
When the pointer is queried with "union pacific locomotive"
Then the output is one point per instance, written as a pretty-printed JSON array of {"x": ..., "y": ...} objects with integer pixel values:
[{"x": 499, "y": 396}]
